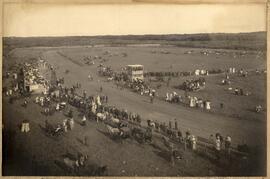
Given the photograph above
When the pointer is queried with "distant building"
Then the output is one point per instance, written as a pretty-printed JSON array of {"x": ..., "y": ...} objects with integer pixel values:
[
  {"x": 135, "y": 72},
  {"x": 27, "y": 81}
]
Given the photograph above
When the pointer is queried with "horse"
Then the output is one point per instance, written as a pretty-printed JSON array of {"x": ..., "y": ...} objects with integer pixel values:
[
  {"x": 147, "y": 135},
  {"x": 151, "y": 123},
  {"x": 74, "y": 165},
  {"x": 115, "y": 120},
  {"x": 113, "y": 131},
  {"x": 258, "y": 108},
  {"x": 126, "y": 131},
  {"x": 101, "y": 116},
  {"x": 110, "y": 79},
  {"x": 71, "y": 164},
  {"x": 142, "y": 134},
  {"x": 52, "y": 130}
]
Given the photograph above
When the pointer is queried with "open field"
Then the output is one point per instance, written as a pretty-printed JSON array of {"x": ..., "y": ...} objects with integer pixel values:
[
  {"x": 237, "y": 119},
  {"x": 240, "y": 41}
]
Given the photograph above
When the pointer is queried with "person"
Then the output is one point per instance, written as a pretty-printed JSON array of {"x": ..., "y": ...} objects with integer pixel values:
[
  {"x": 241, "y": 71},
  {"x": 228, "y": 141},
  {"x": 25, "y": 103},
  {"x": 236, "y": 91},
  {"x": 70, "y": 113},
  {"x": 90, "y": 77},
  {"x": 65, "y": 125},
  {"x": 84, "y": 94},
  {"x": 94, "y": 108},
  {"x": 46, "y": 111},
  {"x": 223, "y": 82},
  {"x": 207, "y": 105},
  {"x": 187, "y": 139},
  {"x": 188, "y": 134},
  {"x": 106, "y": 99},
  {"x": 257, "y": 71},
  {"x": 42, "y": 101},
  {"x": 212, "y": 139},
  {"x": 101, "y": 89},
  {"x": 245, "y": 74},
  {"x": 148, "y": 122},
  {"x": 37, "y": 100},
  {"x": 180, "y": 136},
  {"x": 218, "y": 147},
  {"x": 57, "y": 108},
  {"x": 139, "y": 120},
  {"x": 171, "y": 97},
  {"x": 193, "y": 142},
  {"x": 258, "y": 108},
  {"x": 175, "y": 124},
  {"x": 167, "y": 97},
  {"x": 98, "y": 100},
  {"x": 153, "y": 92},
  {"x": 25, "y": 126},
  {"x": 84, "y": 120},
  {"x": 241, "y": 92},
  {"x": 58, "y": 128},
  {"x": 221, "y": 105},
  {"x": 151, "y": 98},
  {"x": 10, "y": 92},
  {"x": 71, "y": 123}
]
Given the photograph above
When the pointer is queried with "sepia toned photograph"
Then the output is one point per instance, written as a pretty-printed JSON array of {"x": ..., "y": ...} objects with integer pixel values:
[{"x": 134, "y": 89}]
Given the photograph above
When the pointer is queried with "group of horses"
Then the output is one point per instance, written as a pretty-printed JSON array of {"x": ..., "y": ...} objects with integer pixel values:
[
  {"x": 193, "y": 84},
  {"x": 120, "y": 129},
  {"x": 121, "y": 124}
]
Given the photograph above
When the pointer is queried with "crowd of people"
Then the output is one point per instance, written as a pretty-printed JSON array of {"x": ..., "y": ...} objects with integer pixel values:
[{"x": 190, "y": 101}]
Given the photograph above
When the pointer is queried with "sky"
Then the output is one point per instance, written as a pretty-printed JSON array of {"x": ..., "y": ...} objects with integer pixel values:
[{"x": 25, "y": 20}]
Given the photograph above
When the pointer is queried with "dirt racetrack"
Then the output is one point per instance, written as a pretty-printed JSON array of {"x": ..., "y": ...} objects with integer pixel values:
[{"x": 200, "y": 123}]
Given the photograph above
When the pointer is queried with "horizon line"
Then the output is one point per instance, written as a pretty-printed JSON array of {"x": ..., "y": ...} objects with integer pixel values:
[{"x": 103, "y": 35}]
